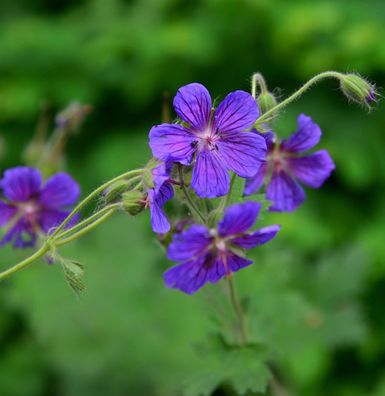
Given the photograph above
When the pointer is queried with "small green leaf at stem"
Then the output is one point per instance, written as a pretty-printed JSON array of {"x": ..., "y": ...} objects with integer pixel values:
[{"x": 74, "y": 274}]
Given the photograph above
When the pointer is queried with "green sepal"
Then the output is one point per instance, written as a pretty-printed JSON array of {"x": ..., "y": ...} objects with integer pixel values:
[
  {"x": 266, "y": 101},
  {"x": 133, "y": 202}
]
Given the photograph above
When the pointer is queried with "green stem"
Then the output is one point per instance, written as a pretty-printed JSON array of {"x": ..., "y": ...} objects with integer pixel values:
[
  {"x": 237, "y": 309},
  {"x": 86, "y": 221},
  {"x": 90, "y": 197},
  {"x": 328, "y": 74},
  {"x": 257, "y": 80},
  {"x": 190, "y": 203},
  {"x": 31, "y": 259},
  {"x": 85, "y": 229},
  {"x": 52, "y": 241}
]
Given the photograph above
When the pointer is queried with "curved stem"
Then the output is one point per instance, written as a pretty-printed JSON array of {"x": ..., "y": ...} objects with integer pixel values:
[
  {"x": 86, "y": 221},
  {"x": 52, "y": 241},
  {"x": 85, "y": 229},
  {"x": 257, "y": 79},
  {"x": 31, "y": 259},
  {"x": 328, "y": 74},
  {"x": 190, "y": 203},
  {"x": 237, "y": 309},
  {"x": 89, "y": 198}
]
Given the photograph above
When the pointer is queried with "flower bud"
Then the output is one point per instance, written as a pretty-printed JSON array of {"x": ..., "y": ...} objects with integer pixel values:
[
  {"x": 133, "y": 202},
  {"x": 358, "y": 89},
  {"x": 266, "y": 101},
  {"x": 114, "y": 192}
]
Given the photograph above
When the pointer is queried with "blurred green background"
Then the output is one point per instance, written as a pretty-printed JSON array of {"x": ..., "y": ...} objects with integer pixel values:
[{"x": 317, "y": 290}]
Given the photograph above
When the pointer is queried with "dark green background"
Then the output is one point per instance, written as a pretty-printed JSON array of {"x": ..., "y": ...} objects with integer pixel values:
[{"x": 318, "y": 289}]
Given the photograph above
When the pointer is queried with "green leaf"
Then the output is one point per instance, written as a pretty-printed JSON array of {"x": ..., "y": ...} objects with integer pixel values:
[
  {"x": 242, "y": 369},
  {"x": 74, "y": 273}
]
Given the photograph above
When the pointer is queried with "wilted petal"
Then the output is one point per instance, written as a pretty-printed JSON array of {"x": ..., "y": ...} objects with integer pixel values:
[
  {"x": 160, "y": 174},
  {"x": 192, "y": 103},
  {"x": 259, "y": 237},
  {"x": 238, "y": 218},
  {"x": 312, "y": 169},
  {"x": 285, "y": 193},
  {"x": 59, "y": 191},
  {"x": 21, "y": 183},
  {"x": 210, "y": 178},
  {"x": 172, "y": 142},
  {"x": 237, "y": 112},
  {"x": 6, "y": 213},
  {"x": 307, "y": 136},
  {"x": 191, "y": 243},
  {"x": 159, "y": 221},
  {"x": 242, "y": 152},
  {"x": 254, "y": 184},
  {"x": 187, "y": 277}
]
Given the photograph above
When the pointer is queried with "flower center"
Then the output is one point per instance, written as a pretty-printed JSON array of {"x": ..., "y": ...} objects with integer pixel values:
[
  {"x": 28, "y": 209},
  {"x": 208, "y": 139},
  {"x": 276, "y": 158}
]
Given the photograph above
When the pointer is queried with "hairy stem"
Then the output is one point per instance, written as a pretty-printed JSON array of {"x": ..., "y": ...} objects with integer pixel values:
[
  {"x": 237, "y": 309},
  {"x": 257, "y": 80},
  {"x": 269, "y": 114},
  {"x": 86, "y": 229},
  {"x": 90, "y": 197},
  {"x": 86, "y": 221},
  {"x": 25, "y": 263},
  {"x": 55, "y": 238}
]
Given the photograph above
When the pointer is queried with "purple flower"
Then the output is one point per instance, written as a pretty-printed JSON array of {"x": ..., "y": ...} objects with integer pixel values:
[
  {"x": 208, "y": 255},
  {"x": 214, "y": 139},
  {"x": 29, "y": 207},
  {"x": 158, "y": 196},
  {"x": 285, "y": 165}
]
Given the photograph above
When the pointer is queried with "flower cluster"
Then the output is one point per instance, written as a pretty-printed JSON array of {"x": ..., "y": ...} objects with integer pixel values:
[
  {"x": 205, "y": 145},
  {"x": 211, "y": 142},
  {"x": 30, "y": 208}
]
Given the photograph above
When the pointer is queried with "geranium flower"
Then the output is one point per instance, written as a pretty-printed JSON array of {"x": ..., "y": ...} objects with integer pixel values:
[
  {"x": 208, "y": 255},
  {"x": 214, "y": 139},
  {"x": 158, "y": 195},
  {"x": 285, "y": 164},
  {"x": 29, "y": 207}
]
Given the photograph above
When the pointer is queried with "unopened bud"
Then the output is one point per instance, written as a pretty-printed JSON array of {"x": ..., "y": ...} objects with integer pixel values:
[
  {"x": 266, "y": 101},
  {"x": 358, "y": 89},
  {"x": 133, "y": 202},
  {"x": 114, "y": 192}
]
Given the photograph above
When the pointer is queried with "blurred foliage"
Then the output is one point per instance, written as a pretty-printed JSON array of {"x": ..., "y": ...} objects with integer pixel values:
[{"x": 316, "y": 293}]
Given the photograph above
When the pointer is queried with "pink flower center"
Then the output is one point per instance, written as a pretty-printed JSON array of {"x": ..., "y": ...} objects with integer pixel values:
[
  {"x": 277, "y": 159},
  {"x": 208, "y": 139}
]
